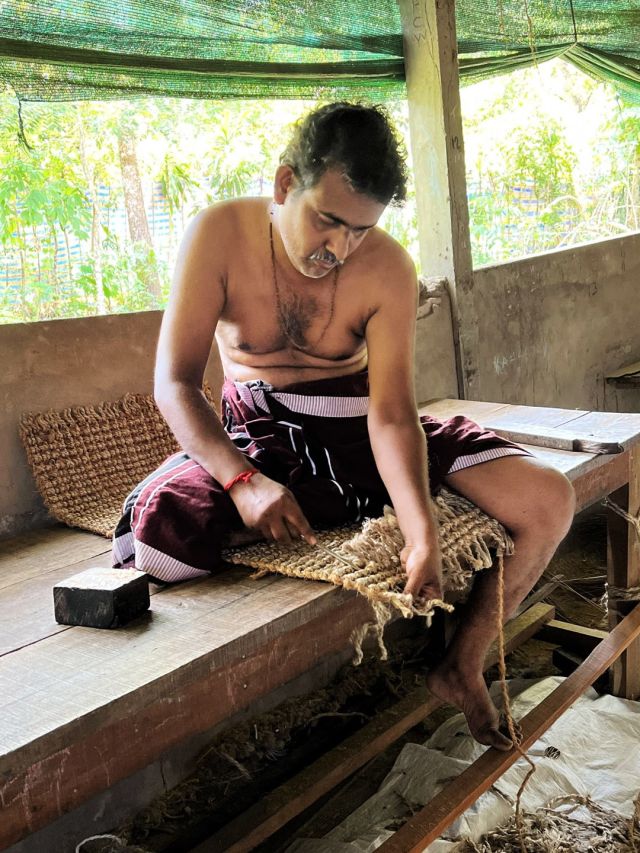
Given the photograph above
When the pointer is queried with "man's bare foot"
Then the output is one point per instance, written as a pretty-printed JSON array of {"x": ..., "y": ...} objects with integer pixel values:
[{"x": 469, "y": 693}]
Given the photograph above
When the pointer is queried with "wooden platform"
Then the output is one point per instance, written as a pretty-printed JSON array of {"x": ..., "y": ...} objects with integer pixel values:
[{"x": 81, "y": 708}]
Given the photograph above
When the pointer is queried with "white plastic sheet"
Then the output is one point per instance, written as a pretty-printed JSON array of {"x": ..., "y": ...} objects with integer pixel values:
[{"x": 599, "y": 743}]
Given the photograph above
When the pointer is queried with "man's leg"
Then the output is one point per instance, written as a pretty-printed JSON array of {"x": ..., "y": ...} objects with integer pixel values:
[{"x": 536, "y": 504}]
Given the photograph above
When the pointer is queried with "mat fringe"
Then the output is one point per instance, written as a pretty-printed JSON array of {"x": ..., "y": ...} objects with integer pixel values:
[{"x": 368, "y": 558}]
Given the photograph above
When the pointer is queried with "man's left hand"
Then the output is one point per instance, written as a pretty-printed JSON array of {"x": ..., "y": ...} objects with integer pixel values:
[{"x": 423, "y": 565}]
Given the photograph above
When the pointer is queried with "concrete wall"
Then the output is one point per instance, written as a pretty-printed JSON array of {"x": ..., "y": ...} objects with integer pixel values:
[{"x": 547, "y": 329}]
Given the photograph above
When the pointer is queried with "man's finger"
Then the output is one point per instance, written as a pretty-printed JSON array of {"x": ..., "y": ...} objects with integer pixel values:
[
  {"x": 419, "y": 589},
  {"x": 280, "y": 532},
  {"x": 298, "y": 523}
]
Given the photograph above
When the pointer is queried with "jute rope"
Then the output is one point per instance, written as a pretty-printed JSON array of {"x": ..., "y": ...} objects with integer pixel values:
[{"x": 551, "y": 831}]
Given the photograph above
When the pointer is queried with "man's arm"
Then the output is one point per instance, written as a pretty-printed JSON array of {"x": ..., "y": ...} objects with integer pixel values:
[
  {"x": 195, "y": 305},
  {"x": 397, "y": 439}
]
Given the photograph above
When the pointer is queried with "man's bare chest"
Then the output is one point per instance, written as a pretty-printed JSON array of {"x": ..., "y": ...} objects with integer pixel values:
[{"x": 262, "y": 316}]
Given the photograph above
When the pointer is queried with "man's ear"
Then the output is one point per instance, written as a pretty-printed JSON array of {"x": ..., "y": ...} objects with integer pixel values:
[{"x": 284, "y": 183}]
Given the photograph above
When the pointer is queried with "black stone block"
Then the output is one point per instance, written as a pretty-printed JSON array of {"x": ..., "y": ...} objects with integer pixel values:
[{"x": 101, "y": 598}]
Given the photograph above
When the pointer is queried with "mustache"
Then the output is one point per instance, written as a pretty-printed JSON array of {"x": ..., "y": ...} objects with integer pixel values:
[{"x": 326, "y": 257}]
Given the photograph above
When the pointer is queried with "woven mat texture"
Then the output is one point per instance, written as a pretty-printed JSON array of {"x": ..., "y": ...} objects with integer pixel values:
[
  {"x": 85, "y": 460},
  {"x": 369, "y": 557}
]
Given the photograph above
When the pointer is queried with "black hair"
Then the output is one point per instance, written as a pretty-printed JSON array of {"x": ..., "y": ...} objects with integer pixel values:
[{"x": 358, "y": 140}]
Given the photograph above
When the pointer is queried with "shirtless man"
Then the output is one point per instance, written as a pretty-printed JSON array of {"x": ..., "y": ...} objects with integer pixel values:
[{"x": 313, "y": 308}]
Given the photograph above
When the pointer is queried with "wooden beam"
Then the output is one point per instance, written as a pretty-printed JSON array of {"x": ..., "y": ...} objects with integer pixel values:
[
  {"x": 573, "y": 637},
  {"x": 431, "y": 821},
  {"x": 290, "y": 799},
  {"x": 595, "y": 481},
  {"x": 435, "y": 127},
  {"x": 623, "y": 564}
]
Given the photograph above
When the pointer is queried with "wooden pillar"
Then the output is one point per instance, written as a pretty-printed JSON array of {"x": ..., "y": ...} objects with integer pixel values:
[
  {"x": 623, "y": 561},
  {"x": 435, "y": 124}
]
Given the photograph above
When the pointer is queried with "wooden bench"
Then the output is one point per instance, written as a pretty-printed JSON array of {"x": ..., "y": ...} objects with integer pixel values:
[{"x": 81, "y": 709}]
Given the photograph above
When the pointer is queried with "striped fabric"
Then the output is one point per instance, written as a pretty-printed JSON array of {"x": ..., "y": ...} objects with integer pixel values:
[
  {"x": 313, "y": 438},
  {"x": 258, "y": 394}
]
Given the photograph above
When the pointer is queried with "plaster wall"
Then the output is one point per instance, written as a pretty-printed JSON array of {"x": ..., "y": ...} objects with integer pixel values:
[{"x": 546, "y": 330}]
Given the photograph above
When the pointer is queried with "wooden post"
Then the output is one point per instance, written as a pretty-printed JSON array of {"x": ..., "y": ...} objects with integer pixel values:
[
  {"x": 623, "y": 562},
  {"x": 435, "y": 124}
]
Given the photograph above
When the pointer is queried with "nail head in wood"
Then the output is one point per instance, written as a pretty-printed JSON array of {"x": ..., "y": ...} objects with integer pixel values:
[{"x": 101, "y": 598}]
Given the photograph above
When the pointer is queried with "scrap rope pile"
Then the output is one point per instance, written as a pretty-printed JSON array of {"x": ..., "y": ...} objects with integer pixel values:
[{"x": 551, "y": 831}]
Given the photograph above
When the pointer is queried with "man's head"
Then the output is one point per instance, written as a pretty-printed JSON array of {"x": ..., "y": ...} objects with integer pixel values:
[
  {"x": 342, "y": 167},
  {"x": 356, "y": 140}
]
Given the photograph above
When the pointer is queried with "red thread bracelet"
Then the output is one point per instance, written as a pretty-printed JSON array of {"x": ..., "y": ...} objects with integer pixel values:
[{"x": 242, "y": 477}]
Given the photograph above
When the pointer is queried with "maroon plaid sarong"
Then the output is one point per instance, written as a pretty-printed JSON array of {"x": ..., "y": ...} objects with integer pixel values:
[{"x": 313, "y": 438}]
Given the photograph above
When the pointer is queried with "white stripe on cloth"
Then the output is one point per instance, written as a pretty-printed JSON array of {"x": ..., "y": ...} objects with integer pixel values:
[
  {"x": 122, "y": 547},
  {"x": 162, "y": 566},
  {"x": 471, "y": 459},
  {"x": 322, "y": 407},
  {"x": 333, "y": 476}
]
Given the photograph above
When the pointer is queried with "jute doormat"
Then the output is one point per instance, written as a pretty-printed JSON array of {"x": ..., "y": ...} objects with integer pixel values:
[
  {"x": 367, "y": 559},
  {"x": 85, "y": 460}
]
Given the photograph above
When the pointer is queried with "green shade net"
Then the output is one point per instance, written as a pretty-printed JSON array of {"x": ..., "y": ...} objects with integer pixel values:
[{"x": 81, "y": 49}]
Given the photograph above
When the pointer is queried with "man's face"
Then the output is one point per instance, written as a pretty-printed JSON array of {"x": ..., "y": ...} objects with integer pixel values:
[{"x": 323, "y": 225}]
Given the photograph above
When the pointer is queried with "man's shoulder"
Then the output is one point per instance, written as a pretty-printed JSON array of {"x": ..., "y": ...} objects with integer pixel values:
[
  {"x": 385, "y": 257},
  {"x": 217, "y": 231},
  {"x": 234, "y": 211}
]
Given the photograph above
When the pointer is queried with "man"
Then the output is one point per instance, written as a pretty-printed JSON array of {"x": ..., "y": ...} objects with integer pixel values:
[{"x": 313, "y": 308}]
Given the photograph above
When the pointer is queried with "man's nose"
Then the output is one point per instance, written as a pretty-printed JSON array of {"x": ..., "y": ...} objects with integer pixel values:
[{"x": 340, "y": 243}]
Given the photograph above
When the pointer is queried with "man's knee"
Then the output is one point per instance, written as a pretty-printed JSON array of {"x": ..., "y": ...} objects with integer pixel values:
[{"x": 552, "y": 504}]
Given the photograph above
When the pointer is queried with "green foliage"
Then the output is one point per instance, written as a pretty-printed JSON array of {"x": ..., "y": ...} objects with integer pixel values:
[
  {"x": 534, "y": 183},
  {"x": 544, "y": 168}
]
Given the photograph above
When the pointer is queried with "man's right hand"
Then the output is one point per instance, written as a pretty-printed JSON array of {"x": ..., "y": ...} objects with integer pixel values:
[{"x": 270, "y": 508}]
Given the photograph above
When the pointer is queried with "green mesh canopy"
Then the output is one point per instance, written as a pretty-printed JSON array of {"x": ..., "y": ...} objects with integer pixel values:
[{"x": 80, "y": 49}]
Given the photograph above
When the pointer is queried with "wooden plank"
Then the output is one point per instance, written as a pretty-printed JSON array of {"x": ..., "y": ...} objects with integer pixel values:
[
  {"x": 545, "y": 418},
  {"x": 557, "y": 439},
  {"x": 431, "y": 821},
  {"x": 293, "y": 797},
  {"x": 449, "y": 408},
  {"x": 623, "y": 568},
  {"x": 96, "y": 671},
  {"x": 65, "y": 681},
  {"x": 32, "y": 554},
  {"x": 624, "y": 371},
  {"x": 505, "y": 415},
  {"x": 571, "y": 464},
  {"x": 623, "y": 427},
  {"x": 574, "y": 637},
  {"x": 88, "y": 754},
  {"x": 29, "y": 604},
  {"x": 594, "y": 481}
]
